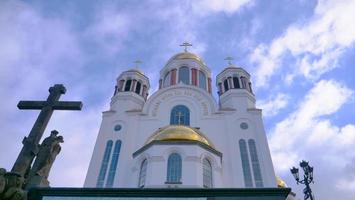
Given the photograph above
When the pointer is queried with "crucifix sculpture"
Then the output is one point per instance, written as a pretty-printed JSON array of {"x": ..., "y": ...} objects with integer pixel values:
[{"x": 31, "y": 143}]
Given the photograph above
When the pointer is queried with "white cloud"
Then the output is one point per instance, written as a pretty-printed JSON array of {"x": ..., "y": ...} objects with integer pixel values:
[
  {"x": 35, "y": 52},
  {"x": 308, "y": 134},
  {"x": 316, "y": 44},
  {"x": 273, "y": 105},
  {"x": 109, "y": 29},
  {"x": 204, "y": 7}
]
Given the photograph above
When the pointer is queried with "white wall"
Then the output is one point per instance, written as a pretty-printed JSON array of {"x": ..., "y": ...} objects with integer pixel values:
[{"x": 222, "y": 127}]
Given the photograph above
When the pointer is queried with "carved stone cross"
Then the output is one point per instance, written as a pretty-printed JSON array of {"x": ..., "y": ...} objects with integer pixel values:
[{"x": 30, "y": 143}]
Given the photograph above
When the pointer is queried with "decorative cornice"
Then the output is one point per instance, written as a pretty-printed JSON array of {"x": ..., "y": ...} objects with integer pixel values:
[{"x": 155, "y": 142}]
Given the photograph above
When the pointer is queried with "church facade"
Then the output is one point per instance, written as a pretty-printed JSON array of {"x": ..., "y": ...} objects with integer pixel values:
[{"x": 181, "y": 136}]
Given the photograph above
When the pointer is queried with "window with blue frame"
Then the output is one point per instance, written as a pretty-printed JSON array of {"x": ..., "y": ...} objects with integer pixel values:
[
  {"x": 104, "y": 164},
  {"x": 180, "y": 115},
  {"x": 184, "y": 75},
  {"x": 143, "y": 173},
  {"x": 113, "y": 165},
  {"x": 255, "y": 164},
  {"x": 174, "y": 169},
  {"x": 245, "y": 163},
  {"x": 207, "y": 173},
  {"x": 202, "y": 80}
]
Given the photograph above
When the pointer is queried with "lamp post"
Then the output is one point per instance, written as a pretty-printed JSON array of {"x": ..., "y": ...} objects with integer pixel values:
[{"x": 307, "y": 178}]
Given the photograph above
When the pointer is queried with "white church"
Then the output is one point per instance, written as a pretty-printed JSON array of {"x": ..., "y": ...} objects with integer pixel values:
[{"x": 181, "y": 136}]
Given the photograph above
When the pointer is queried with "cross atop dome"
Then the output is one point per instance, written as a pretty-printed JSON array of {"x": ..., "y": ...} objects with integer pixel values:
[
  {"x": 137, "y": 62},
  {"x": 185, "y": 45},
  {"x": 229, "y": 59}
]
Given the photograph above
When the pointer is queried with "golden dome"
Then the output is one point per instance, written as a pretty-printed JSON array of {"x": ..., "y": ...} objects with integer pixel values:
[
  {"x": 186, "y": 55},
  {"x": 179, "y": 133},
  {"x": 280, "y": 182}
]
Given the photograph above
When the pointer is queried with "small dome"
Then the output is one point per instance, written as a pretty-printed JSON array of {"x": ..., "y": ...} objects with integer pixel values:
[
  {"x": 280, "y": 183},
  {"x": 186, "y": 55},
  {"x": 179, "y": 133}
]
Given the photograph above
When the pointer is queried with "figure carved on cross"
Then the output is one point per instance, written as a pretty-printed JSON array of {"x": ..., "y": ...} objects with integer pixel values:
[
  {"x": 31, "y": 143},
  {"x": 180, "y": 118},
  {"x": 185, "y": 45}
]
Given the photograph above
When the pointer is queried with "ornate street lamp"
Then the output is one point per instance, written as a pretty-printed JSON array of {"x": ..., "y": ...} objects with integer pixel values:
[{"x": 307, "y": 178}]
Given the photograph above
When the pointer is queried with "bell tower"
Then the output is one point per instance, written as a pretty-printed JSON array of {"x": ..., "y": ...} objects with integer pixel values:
[
  {"x": 132, "y": 85},
  {"x": 234, "y": 88}
]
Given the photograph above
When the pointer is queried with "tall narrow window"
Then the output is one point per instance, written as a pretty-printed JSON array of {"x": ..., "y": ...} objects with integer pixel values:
[
  {"x": 104, "y": 164},
  {"x": 202, "y": 80},
  {"x": 142, "y": 173},
  {"x": 113, "y": 165},
  {"x": 184, "y": 75},
  {"x": 245, "y": 163},
  {"x": 174, "y": 168},
  {"x": 225, "y": 84},
  {"x": 236, "y": 82},
  {"x": 167, "y": 79},
  {"x": 127, "y": 87},
  {"x": 207, "y": 173},
  {"x": 180, "y": 115},
  {"x": 255, "y": 163},
  {"x": 138, "y": 87}
]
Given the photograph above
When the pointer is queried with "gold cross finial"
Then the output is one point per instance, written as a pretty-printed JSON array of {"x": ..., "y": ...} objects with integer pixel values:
[
  {"x": 185, "y": 44},
  {"x": 137, "y": 62},
  {"x": 229, "y": 59}
]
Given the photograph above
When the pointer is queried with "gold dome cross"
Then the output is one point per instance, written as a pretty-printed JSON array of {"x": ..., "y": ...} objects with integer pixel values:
[{"x": 185, "y": 45}]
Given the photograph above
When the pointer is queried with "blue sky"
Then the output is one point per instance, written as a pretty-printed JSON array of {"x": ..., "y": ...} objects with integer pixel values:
[{"x": 300, "y": 55}]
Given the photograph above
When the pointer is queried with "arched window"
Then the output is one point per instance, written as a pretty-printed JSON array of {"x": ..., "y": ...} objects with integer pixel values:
[
  {"x": 127, "y": 87},
  {"x": 184, "y": 75},
  {"x": 225, "y": 84},
  {"x": 180, "y": 115},
  {"x": 207, "y": 173},
  {"x": 113, "y": 165},
  {"x": 143, "y": 173},
  {"x": 245, "y": 163},
  {"x": 138, "y": 87},
  {"x": 104, "y": 164},
  {"x": 202, "y": 80},
  {"x": 167, "y": 79},
  {"x": 236, "y": 82},
  {"x": 255, "y": 163},
  {"x": 174, "y": 169}
]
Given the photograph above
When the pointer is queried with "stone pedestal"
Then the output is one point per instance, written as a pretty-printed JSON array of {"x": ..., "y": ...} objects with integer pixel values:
[{"x": 37, "y": 181}]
